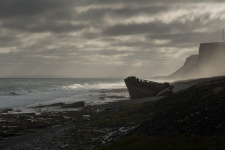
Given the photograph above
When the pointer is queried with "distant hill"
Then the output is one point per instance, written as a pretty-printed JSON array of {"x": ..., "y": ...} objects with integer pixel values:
[{"x": 210, "y": 62}]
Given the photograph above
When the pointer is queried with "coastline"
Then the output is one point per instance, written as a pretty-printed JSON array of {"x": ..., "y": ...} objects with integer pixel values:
[
  {"x": 21, "y": 128},
  {"x": 60, "y": 127}
]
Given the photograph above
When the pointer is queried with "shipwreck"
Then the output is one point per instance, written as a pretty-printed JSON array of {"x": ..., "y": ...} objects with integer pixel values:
[{"x": 139, "y": 88}]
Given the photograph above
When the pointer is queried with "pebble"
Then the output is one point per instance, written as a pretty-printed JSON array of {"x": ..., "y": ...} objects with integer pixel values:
[{"x": 54, "y": 138}]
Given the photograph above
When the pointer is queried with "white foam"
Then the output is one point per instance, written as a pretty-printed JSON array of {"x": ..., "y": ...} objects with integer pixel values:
[
  {"x": 96, "y": 86},
  {"x": 66, "y": 94},
  {"x": 75, "y": 86},
  {"x": 109, "y": 85}
]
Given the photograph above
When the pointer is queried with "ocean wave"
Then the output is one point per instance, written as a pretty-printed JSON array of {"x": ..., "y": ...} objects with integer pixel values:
[
  {"x": 24, "y": 92},
  {"x": 95, "y": 86},
  {"x": 15, "y": 93},
  {"x": 109, "y": 85},
  {"x": 75, "y": 86}
]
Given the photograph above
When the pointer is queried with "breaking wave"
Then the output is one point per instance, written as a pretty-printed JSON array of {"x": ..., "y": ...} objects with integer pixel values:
[{"x": 25, "y": 92}]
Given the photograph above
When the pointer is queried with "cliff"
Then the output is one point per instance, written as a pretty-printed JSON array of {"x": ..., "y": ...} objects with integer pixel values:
[
  {"x": 210, "y": 62},
  {"x": 187, "y": 67}
]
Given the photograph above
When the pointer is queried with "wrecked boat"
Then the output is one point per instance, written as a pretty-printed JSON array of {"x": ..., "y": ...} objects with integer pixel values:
[{"x": 139, "y": 88}]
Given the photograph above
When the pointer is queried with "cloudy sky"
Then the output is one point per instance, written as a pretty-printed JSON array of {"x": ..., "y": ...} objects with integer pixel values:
[{"x": 104, "y": 38}]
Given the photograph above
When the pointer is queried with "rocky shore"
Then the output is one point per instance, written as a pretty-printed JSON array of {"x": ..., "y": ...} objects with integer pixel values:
[
  {"x": 195, "y": 111},
  {"x": 51, "y": 126}
]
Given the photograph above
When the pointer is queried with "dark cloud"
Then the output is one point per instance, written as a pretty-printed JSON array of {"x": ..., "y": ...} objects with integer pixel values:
[
  {"x": 104, "y": 36},
  {"x": 15, "y": 8},
  {"x": 160, "y": 27},
  {"x": 42, "y": 26},
  {"x": 146, "y": 2},
  {"x": 99, "y": 13},
  {"x": 133, "y": 28},
  {"x": 6, "y": 41},
  {"x": 38, "y": 16},
  {"x": 188, "y": 38}
]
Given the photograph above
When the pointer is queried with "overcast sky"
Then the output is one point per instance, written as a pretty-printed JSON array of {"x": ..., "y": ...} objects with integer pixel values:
[{"x": 104, "y": 38}]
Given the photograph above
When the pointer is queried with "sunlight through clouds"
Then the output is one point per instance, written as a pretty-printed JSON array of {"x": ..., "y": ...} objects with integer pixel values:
[{"x": 104, "y": 35}]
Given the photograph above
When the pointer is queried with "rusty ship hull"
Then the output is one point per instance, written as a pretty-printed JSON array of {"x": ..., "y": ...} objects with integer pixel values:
[{"x": 143, "y": 88}]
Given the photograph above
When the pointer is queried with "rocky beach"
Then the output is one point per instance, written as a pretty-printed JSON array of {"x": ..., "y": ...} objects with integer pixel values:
[
  {"x": 112, "y": 75},
  {"x": 22, "y": 130},
  {"x": 195, "y": 110}
]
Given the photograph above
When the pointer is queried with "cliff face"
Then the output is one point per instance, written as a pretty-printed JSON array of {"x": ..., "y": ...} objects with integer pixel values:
[
  {"x": 211, "y": 54},
  {"x": 210, "y": 62},
  {"x": 187, "y": 67}
]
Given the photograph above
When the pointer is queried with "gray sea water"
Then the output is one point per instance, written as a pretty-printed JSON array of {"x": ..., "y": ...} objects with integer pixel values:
[{"x": 31, "y": 92}]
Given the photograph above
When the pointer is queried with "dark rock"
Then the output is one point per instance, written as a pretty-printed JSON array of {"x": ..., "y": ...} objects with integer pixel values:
[
  {"x": 57, "y": 104},
  {"x": 74, "y": 105},
  {"x": 24, "y": 117}
]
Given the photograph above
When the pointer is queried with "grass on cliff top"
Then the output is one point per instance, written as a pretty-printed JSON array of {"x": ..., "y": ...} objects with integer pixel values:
[{"x": 139, "y": 141}]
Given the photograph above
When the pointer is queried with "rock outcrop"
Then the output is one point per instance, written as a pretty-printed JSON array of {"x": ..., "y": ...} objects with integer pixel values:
[{"x": 210, "y": 62}]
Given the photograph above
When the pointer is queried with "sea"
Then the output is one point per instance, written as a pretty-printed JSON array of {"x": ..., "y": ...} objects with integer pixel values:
[{"x": 26, "y": 92}]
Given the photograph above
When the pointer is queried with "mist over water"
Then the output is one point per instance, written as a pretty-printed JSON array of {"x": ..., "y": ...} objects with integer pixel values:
[
  {"x": 24, "y": 92},
  {"x": 210, "y": 62},
  {"x": 29, "y": 92}
]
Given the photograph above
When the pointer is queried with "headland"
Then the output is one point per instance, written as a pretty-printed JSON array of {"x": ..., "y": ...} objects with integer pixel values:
[{"x": 208, "y": 63}]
